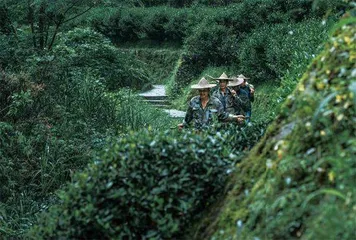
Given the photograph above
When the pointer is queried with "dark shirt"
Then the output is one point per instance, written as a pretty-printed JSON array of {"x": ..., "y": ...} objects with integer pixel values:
[
  {"x": 247, "y": 88},
  {"x": 242, "y": 102},
  {"x": 226, "y": 99},
  {"x": 203, "y": 117}
]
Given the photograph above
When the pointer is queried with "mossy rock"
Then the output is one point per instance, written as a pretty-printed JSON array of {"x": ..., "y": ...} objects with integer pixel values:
[{"x": 299, "y": 181}]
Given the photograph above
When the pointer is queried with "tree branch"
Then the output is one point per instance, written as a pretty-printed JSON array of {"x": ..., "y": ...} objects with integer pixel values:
[
  {"x": 31, "y": 21},
  {"x": 79, "y": 14}
]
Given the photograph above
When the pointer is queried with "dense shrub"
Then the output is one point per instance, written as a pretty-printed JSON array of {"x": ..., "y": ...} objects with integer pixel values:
[
  {"x": 86, "y": 49},
  {"x": 164, "y": 23},
  {"x": 159, "y": 62},
  {"x": 260, "y": 38},
  {"x": 145, "y": 185},
  {"x": 265, "y": 54},
  {"x": 212, "y": 43},
  {"x": 301, "y": 175},
  {"x": 177, "y": 27},
  {"x": 157, "y": 24},
  {"x": 55, "y": 110},
  {"x": 128, "y": 25},
  {"x": 268, "y": 51},
  {"x": 154, "y": 24}
]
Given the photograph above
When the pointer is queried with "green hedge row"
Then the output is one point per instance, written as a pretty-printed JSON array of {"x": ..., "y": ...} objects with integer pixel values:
[
  {"x": 147, "y": 185},
  {"x": 157, "y": 24},
  {"x": 172, "y": 24},
  {"x": 264, "y": 54},
  {"x": 256, "y": 37},
  {"x": 144, "y": 185}
]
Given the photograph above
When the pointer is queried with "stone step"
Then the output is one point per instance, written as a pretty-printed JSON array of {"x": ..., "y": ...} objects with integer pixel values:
[
  {"x": 152, "y": 97},
  {"x": 158, "y": 98},
  {"x": 155, "y": 102},
  {"x": 175, "y": 113}
]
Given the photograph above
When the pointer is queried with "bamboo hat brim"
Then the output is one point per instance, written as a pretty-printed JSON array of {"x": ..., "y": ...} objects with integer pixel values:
[
  {"x": 223, "y": 76},
  {"x": 203, "y": 84},
  {"x": 235, "y": 82},
  {"x": 242, "y": 76}
]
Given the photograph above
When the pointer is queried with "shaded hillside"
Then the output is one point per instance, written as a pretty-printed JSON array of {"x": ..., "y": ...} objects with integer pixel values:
[
  {"x": 299, "y": 181},
  {"x": 159, "y": 62}
]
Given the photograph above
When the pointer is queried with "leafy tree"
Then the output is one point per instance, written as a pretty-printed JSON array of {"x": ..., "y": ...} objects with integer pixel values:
[{"x": 45, "y": 17}]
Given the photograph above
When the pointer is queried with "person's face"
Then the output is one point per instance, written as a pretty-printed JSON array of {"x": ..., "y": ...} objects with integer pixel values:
[
  {"x": 204, "y": 93},
  {"x": 243, "y": 83},
  {"x": 223, "y": 84}
]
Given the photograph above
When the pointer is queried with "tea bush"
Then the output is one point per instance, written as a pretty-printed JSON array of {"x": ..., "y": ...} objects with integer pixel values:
[
  {"x": 128, "y": 25},
  {"x": 261, "y": 44},
  {"x": 269, "y": 51},
  {"x": 302, "y": 176},
  {"x": 266, "y": 53},
  {"x": 154, "y": 24},
  {"x": 178, "y": 25},
  {"x": 86, "y": 49},
  {"x": 144, "y": 185},
  {"x": 157, "y": 24},
  {"x": 55, "y": 110}
]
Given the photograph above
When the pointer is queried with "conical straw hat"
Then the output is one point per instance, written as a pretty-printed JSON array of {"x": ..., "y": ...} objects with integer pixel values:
[
  {"x": 235, "y": 82},
  {"x": 223, "y": 77},
  {"x": 202, "y": 84},
  {"x": 242, "y": 76}
]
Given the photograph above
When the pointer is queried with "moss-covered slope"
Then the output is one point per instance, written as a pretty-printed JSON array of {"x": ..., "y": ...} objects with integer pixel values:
[{"x": 299, "y": 182}]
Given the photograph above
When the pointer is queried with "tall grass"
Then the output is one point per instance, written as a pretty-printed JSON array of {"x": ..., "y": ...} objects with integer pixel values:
[
  {"x": 134, "y": 114},
  {"x": 159, "y": 62}
]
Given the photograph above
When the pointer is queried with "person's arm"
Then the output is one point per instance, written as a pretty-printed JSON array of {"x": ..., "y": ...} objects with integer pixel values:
[
  {"x": 241, "y": 101},
  {"x": 188, "y": 117},
  {"x": 225, "y": 116}
]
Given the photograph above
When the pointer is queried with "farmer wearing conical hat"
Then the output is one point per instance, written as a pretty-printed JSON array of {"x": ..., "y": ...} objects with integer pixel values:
[
  {"x": 203, "y": 109},
  {"x": 224, "y": 94},
  {"x": 242, "y": 103},
  {"x": 250, "y": 89}
]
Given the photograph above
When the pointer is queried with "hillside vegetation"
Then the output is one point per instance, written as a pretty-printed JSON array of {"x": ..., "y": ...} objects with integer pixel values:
[
  {"x": 302, "y": 174},
  {"x": 82, "y": 156},
  {"x": 298, "y": 177}
]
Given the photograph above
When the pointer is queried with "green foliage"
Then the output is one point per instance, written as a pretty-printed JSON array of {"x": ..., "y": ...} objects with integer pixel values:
[
  {"x": 262, "y": 43},
  {"x": 157, "y": 24},
  {"x": 133, "y": 114},
  {"x": 303, "y": 173},
  {"x": 159, "y": 62},
  {"x": 144, "y": 185},
  {"x": 154, "y": 25},
  {"x": 55, "y": 110},
  {"x": 212, "y": 43},
  {"x": 35, "y": 162},
  {"x": 127, "y": 25},
  {"x": 266, "y": 53},
  {"x": 19, "y": 102},
  {"x": 86, "y": 49},
  {"x": 269, "y": 51}
]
